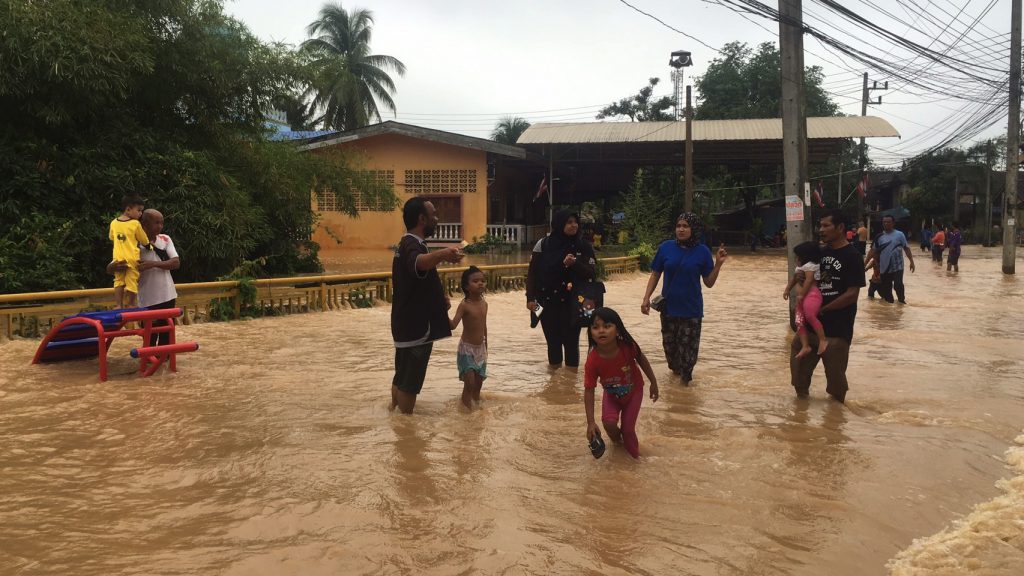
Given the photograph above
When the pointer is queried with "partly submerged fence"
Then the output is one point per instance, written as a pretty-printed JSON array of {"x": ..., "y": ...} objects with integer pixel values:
[{"x": 32, "y": 314}]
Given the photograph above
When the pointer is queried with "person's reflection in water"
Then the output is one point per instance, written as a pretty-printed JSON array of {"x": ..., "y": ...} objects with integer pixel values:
[
  {"x": 471, "y": 462},
  {"x": 886, "y": 317},
  {"x": 818, "y": 454},
  {"x": 808, "y": 489},
  {"x": 615, "y": 507},
  {"x": 684, "y": 414},
  {"x": 561, "y": 388},
  {"x": 411, "y": 470}
]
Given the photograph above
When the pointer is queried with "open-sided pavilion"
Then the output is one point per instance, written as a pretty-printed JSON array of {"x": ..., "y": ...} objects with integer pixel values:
[{"x": 592, "y": 160}]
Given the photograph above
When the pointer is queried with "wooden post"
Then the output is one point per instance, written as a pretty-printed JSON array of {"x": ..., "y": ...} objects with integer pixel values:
[
  {"x": 794, "y": 124},
  {"x": 1012, "y": 145},
  {"x": 956, "y": 198},
  {"x": 863, "y": 149},
  {"x": 551, "y": 185},
  {"x": 689, "y": 153},
  {"x": 988, "y": 193}
]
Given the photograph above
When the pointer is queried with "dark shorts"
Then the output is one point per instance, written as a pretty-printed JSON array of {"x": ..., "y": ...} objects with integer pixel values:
[
  {"x": 953, "y": 258},
  {"x": 411, "y": 367},
  {"x": 165, "y": 337}
]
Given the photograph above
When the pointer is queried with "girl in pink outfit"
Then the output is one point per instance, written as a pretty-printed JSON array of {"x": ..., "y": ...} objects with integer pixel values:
[
  {"x": 808, "y": 297},
  {"x": 616, "y": 360}
]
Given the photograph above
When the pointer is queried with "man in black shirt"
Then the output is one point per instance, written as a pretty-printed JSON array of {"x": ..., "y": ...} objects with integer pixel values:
[
  {"x": 419, "y": 307},
  {"x": 842, "y": 277}
]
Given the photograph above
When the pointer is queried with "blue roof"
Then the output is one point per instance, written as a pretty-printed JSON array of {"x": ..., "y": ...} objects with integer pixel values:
[{"x": 288, "y": 135}]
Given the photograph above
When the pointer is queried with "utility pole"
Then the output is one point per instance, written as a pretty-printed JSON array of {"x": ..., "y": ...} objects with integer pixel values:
[
  {"x": 989, "y": 153},
  {"x": 551, "y": 185},
  {"x": 864, "y": 101},
  {"x": 956, "y": 197},
  {"x": 794, "y": 128},
  {"x": 1012, "y": 145},
  {"x": 839, "y": 190},
  {"x": 689, "y": 153}
]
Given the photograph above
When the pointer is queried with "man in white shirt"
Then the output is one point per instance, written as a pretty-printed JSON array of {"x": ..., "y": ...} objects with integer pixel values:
[{"x": 156, "y": 287}]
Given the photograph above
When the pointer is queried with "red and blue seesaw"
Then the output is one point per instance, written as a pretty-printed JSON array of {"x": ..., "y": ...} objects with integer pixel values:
[{"x": 91, "y": 333}]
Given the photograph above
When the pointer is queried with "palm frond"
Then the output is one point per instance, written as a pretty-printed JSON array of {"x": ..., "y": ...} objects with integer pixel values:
[{"x": 349, "y": 81}]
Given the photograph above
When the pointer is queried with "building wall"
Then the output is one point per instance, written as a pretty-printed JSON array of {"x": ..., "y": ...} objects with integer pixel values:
[{"x": 374, "y": 229}]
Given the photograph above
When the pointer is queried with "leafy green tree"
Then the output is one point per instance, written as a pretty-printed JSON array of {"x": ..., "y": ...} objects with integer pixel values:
[
  {"x": 640, "y": 108},
  {"x": 162, "y": 99},
  {"x": 300, "y": 114},
  {"x": 934, "y": 178},
  {"x": 348, "y": 81},
  {"x": 743, "y": 83},
  {"x": 509, "y": 129},
  {"x": 648, "y": 208}
]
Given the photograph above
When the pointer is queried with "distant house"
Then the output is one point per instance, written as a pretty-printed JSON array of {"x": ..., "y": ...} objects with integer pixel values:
[
  {"x": 279, "y": 130},
  {"x": 450, "y": 169}
]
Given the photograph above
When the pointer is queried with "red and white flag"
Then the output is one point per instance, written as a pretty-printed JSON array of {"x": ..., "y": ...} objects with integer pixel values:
[
  {"x": 542, "y": 189},
  {"x": 817, "y": 196},
  {"x": 862, "y": 186}
]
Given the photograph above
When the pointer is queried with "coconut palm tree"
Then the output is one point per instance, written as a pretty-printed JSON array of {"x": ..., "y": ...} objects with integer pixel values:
[
  {"x": 349, "y": 82},
  {"x": 509, "y": 129},
  {"x": 300, "y": 114}
]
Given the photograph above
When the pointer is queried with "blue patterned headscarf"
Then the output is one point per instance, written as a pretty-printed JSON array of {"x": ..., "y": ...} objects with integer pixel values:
[{"x": 696, "y": 228}]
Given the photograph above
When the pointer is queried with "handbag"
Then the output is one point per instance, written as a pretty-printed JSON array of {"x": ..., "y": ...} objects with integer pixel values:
[
  {"x": 658, "y": 303},
  {"x": 583, "y": 315}
]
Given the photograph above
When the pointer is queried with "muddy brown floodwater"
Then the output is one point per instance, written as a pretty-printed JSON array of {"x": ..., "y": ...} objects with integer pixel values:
[{"x": 271, "y": 451}]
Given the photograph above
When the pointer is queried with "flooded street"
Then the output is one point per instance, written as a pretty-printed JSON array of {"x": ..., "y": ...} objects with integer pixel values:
[{"x": 272, "y": 451}]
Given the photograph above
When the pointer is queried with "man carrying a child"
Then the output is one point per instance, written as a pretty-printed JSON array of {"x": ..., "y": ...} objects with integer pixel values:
[
  {"x": 156, "y": 286},
  {"x": 842, "y": 277}
]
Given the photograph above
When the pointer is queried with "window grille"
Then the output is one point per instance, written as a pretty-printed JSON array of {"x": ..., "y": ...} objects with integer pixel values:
[
  {"x": 327, "y": 202},
  {"x": 427, "y": 182}
]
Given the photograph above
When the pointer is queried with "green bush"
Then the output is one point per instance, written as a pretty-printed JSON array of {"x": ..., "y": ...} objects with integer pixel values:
[
  {"x": 246, "y": 274},
  {"x": 486, "y": 244},
  {"x": 600, "y": 271},
  {"x": 647, "y": 214},
  {"x": 645, "y": 252}
]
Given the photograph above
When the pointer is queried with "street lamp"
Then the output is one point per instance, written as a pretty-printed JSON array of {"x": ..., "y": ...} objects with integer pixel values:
[{"x": 680, "y": 59}]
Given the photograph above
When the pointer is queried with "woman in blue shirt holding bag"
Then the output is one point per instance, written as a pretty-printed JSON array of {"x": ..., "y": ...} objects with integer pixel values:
[{"x": 685, "y": 262}]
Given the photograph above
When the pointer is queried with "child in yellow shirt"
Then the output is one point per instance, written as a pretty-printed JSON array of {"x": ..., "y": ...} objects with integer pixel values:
[{"x": 127, "y": 234}]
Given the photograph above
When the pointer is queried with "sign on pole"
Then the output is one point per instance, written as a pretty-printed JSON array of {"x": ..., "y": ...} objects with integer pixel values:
[{"x": 794, "y": 209}]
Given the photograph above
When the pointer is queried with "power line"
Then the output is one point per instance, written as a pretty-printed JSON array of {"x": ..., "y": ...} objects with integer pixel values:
[{"x": 662, "y": 22}]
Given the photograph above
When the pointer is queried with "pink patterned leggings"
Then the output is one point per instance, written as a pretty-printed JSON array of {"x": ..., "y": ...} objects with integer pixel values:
[
  {"x": 629, "y": 408},
  {"x": 807, "y": 312}
]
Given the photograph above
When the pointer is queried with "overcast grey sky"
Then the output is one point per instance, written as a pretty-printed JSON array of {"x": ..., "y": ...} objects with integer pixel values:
[{"x": 471, "y": 61}]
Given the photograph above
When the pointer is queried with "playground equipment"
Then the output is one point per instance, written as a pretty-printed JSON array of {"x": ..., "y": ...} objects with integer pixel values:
[{"x": 91, "y": 333}]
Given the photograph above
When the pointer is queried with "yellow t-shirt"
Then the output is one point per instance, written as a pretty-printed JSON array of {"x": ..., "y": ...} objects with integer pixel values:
[{"x": 126, "y": 236}]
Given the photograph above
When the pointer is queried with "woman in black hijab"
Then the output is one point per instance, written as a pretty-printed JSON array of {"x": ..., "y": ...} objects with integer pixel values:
[{"x": 560, "y": 280}]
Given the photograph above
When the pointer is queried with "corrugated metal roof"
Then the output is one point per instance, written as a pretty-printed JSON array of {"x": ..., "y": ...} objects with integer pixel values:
[
  {"x": 703, "y": 130},
  {"x": 283, "y": 135},
  {"x": 419, "y": 132}
]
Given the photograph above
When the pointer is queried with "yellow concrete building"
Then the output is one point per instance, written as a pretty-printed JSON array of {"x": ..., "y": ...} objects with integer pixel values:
[{"x": 450, "y": 169}]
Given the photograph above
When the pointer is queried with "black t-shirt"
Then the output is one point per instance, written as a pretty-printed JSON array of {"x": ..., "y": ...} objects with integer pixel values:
[
  {"x": 840, "y": 269},
  {"x": 418, "y": 313}
]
